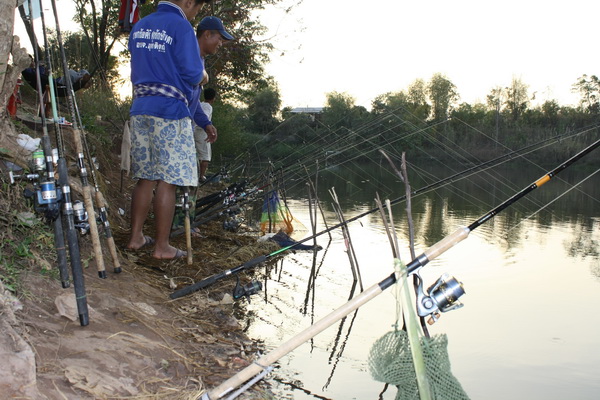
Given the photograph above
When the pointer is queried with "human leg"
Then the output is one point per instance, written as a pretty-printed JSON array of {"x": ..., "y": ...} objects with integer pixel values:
[
  {"x": 164, "y": 209},
  {"x": 141, "y": 199},
  {"x": 203, "y": 168}
]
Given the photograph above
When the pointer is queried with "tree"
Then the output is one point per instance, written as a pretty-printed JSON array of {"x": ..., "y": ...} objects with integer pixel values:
[
  {"x": 494, "y": 101},
  {"x": 100, "y": 28},
  {"x": 442, "y": 94},
  {"x": 234, "y": 71},
  {"x": 340, "y": 111},
  {"x": 517, "y": 99},
  {"x": 589, "y": 89},
  {"x": 417, "y": 92},
  {"x": 263, "y": 108}
]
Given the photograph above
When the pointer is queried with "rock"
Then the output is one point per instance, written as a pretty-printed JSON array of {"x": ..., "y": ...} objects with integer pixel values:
[{"x": 17, "y": 369}]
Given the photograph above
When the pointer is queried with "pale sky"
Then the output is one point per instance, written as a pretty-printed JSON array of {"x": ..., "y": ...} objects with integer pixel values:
[{"x": 367, "y": 48}]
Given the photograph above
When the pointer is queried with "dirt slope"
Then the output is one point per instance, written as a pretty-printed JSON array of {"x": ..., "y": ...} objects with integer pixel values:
[{"x": 139, "y": 343}]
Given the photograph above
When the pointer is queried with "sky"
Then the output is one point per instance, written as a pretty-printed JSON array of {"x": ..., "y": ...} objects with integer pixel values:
[{"x": 367, "y": 48}]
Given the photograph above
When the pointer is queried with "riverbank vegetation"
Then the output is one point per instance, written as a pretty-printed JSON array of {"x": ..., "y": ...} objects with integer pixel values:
[{"x": 425, "y": 117}]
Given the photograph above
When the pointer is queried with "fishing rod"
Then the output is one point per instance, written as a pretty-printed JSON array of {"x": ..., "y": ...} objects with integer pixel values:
[
  {"x": 48, "y": 195},
  {"x": 440, "y": 183},
  {"x": 63, "y": 181},
  {"x": 229, "y": 206},
  {"x": 77, "y": 136},
  {"x": 100, "y": 200},
  {"x": 443, "y": 299}
]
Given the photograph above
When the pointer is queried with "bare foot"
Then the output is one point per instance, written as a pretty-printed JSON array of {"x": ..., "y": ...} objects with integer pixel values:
[
  {"x": 140, "y": 244},
  {"x": 173, "y": 253}
]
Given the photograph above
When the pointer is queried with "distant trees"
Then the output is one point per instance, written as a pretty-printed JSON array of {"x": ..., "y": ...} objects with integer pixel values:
[
  {"x": 443, "y": 95},
  {"x": 517, "y": 99},
  {"x": 589, "y": 89},
  {"x": 263, "y": 108}
]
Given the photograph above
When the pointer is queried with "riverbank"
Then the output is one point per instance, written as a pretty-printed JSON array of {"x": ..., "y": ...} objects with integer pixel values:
[{"x": 139, "y": 343}]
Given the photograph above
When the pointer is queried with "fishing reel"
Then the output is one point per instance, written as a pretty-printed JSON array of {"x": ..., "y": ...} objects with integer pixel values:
[
  {"x": 81, "y": 217},
  {"x": 224, "y": 174},
  {"x": 250, "y": 288},
  {"x": 442, "y": 296},
  {"x": 233, "y": 221},
  {"x": 183, "y": 201},
  {"x": 44, "y": 194}
]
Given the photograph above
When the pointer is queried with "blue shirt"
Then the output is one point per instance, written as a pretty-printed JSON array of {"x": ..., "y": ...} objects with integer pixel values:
[{"x": 164, "y": 50}]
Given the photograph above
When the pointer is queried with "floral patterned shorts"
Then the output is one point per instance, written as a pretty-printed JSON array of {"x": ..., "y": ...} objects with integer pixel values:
[{"x": 163, "y": 149}]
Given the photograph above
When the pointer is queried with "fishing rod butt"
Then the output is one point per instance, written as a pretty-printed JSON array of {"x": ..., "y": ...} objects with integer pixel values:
[
  {"x": 117, "y": 270},
  {"x": 102, "y": 274},
  {"x": 84, "y": 319},
  {"x": 65, "y": 284}
]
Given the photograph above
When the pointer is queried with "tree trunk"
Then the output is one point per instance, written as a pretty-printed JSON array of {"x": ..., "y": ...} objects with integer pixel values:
[{"x": 13, "y": 59}]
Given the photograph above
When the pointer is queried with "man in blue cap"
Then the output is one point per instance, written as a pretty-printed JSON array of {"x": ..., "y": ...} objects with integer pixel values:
[{"x": 210, "y": 34}]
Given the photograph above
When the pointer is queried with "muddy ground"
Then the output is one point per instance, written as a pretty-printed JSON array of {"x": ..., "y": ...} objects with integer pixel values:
[{"x": 139, "y": 343}]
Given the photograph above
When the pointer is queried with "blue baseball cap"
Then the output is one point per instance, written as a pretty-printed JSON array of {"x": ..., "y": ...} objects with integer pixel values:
[{"x": 214, "y": 24}]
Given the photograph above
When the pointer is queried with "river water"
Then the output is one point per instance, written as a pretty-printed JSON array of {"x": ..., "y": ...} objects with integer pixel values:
[{"x": 529, "y": 326}]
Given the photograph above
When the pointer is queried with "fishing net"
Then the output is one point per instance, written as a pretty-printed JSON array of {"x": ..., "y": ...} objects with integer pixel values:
[
  {"x": 393, "y": 360},
  {"x": 390, "y": 361},
  {"x": 276, "y": 216}
]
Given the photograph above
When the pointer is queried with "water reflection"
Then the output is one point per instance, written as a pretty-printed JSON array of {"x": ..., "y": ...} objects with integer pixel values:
[{"x": 531, "y": 274}]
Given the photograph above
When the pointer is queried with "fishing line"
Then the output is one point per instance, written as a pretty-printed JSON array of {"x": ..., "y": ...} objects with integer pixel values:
[
  {"x": 585, "y": 130},
  {"x": 575, "y": 186},
  {"x": 423, "y": 307},
  {"x": 365, "y": 175},
  {"x": 258, "y": 260}
]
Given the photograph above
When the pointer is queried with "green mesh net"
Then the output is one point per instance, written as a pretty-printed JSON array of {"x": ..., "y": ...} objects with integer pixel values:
[{"x": 390, "y": 361}]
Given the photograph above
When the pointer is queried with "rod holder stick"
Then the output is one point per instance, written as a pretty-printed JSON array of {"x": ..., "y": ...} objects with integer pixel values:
[{"x": 188, "y": 229}]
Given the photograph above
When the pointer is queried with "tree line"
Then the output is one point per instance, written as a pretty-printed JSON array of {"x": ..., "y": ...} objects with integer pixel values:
[
  {"x": 508, "y": 119},
  {"x": 249, "y": 114}
]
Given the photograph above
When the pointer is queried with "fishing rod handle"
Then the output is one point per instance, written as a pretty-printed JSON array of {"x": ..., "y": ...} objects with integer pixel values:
[
  {"x": 103, "y": 206},
  {"x": 440, "y": 247},
  {"x": 89, "y": 206}
]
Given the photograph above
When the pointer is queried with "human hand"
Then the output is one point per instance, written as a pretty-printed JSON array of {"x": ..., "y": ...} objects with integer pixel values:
[{"x": 211, "y": 133}]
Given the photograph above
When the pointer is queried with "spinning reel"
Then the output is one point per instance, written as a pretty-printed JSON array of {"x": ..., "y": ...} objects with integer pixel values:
[
  {"x": 81, "y": 217},
  {"x": 250, "y": 288},
  {"x": 442, "y": 296},
  {"x": 45, "y": 194}
]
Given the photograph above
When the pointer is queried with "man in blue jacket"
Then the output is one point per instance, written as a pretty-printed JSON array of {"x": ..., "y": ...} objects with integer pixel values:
[{"x": 166, "y": 69}]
